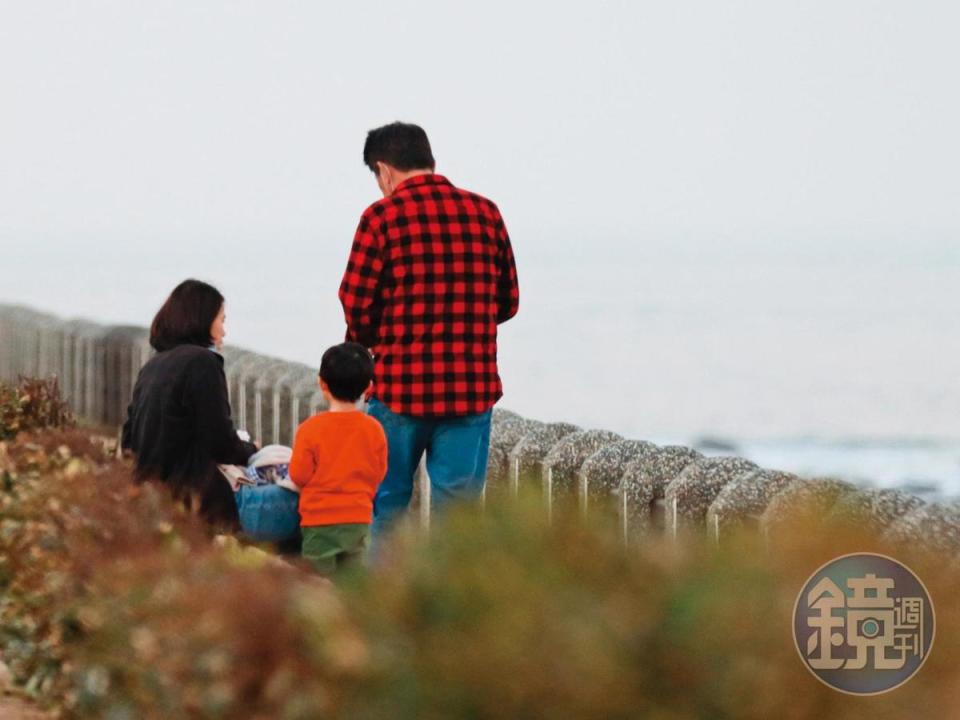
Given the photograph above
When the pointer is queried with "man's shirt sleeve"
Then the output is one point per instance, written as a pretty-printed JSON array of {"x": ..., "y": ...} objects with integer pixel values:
[
  {"x": 360, "y": 288},
  {"x": 508, "y": 287}
]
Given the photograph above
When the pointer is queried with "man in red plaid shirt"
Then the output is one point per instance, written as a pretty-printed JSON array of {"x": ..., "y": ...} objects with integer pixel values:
[{"x": 430, "y": 276}]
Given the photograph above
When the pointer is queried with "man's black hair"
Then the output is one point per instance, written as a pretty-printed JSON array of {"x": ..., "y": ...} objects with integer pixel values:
[
  {"x": 403, "y": 145},
  {"x": 186, "y": 316},
  {"x": 347, "y": 369}
]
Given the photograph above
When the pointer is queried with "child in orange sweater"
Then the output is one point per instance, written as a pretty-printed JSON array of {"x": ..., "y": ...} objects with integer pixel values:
[{"x": 339, "y": 460}]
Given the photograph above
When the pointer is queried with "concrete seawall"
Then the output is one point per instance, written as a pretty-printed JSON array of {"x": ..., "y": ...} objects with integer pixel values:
[{"x": 643, "y": 487}]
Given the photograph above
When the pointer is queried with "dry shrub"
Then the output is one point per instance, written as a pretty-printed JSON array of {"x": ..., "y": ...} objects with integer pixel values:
[
  {"x": 195, "y": 636},
  {"x": 116, "y": 603},
  {"x": 118, "y": 606},
  {"x": 64, "y": 511},
  {"x": 32, "y": 404},
  {"x": 502, "y": 615}
]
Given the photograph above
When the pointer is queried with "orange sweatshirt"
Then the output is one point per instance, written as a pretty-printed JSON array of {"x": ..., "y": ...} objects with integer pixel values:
[{"x": 339, "y": 460}]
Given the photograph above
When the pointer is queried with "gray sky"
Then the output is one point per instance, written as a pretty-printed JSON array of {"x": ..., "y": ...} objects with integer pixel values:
[
  {"x": 177, "y": 120},
  {"x": 144, "y": 142}
]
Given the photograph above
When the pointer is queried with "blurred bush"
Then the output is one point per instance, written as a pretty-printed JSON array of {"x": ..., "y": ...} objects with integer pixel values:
[
  {"x": 32, "y": 404},
  {"x": 117, "y": 605},
  {"x": 500, "y": 614}
]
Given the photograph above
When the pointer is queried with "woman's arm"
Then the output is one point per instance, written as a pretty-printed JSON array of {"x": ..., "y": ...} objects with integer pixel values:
[
  {"x": 126, "y": 437},
  {"x": 207, "y": 388}
]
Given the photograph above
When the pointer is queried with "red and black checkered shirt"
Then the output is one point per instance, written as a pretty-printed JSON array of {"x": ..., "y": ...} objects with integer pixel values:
[{"x": 430, "y": 275}]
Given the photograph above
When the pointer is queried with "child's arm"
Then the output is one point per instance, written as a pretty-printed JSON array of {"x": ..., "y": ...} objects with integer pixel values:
[{"x": 303, "y": 462}]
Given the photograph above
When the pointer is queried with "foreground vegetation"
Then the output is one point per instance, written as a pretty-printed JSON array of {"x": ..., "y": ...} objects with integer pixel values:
[
  {"x": 32, "y": 404},
  {"x": 117, "y": 604}
]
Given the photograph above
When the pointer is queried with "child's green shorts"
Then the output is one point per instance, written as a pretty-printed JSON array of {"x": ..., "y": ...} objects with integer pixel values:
[{"x": 331, "y": 548}]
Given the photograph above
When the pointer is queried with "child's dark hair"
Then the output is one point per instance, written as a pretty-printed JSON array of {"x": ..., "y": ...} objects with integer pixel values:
[{"x": 347, "y": 369}]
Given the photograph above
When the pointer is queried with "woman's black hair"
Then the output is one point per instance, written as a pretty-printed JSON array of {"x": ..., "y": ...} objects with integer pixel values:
[{"x": 186, "y": 316}]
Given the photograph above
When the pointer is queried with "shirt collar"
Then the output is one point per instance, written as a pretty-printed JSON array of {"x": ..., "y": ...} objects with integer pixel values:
[{"x": 426, "y": 179}]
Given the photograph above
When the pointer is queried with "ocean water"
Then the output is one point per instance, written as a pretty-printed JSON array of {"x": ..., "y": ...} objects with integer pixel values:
[
  {"x": 928, "y": 468},
  {"x": 834, "y": 356}
]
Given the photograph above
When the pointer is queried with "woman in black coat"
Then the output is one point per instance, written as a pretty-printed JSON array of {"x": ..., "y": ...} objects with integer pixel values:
[{"x": 178, "y": 425}]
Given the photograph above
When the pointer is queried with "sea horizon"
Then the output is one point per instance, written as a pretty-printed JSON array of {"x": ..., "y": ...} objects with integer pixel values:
[{"x": 822, "y": 359}]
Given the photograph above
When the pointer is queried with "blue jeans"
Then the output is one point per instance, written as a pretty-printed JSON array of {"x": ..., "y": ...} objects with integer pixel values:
[
  {"x": 268, "y": 513},
  {"x": 456, "y": 448}
]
